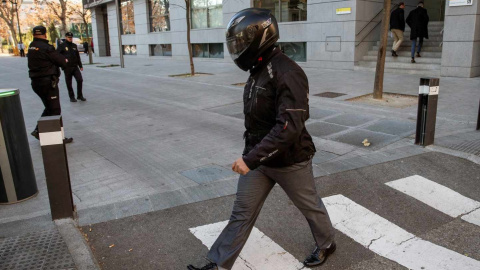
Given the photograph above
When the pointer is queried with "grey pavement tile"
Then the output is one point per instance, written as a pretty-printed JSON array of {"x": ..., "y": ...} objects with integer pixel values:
[
  {"x": 207, "y": 173},
  {"x": 333, "y": 146},
  {"x": 321, "y": 129},
  {"x": 323, "y": 156},
  {"x": 351, "y": 120},
  {"x": 230, "y": 109},
  {"x": 133, "y": 207},
  {"x": 316, "y": 113},
  {"x": 96, "y": 214},
  {"x": 393, "y": 127},
  {"x": 357, "y": 136},
  {"x": 336, "y": 166}
]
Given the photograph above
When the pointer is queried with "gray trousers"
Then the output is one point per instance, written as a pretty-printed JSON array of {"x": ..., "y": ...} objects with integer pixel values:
[{"x": 253, "y": 189}]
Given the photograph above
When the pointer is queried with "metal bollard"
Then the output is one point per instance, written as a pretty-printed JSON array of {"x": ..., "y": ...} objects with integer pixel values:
[
  {"x": 56, "y": 166},
  {"x": 427, "y": 111},
  {"x": 17, "y": 177},
  {"x": 478, "y": 118}
]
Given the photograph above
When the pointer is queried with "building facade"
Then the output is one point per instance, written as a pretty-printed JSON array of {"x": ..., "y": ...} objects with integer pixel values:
[{"x": 335, "y": 34}]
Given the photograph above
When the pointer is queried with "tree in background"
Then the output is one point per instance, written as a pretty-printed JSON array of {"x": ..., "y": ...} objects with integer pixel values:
[
  {"x": 8, "y": 15},
  {"x": 86, "y": 17},
  {"x": 52, "y": 33},
  {"x": 61, "y": 11}
]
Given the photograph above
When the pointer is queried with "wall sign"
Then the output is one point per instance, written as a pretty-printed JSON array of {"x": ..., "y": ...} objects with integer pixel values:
[
  {"x": 341, "y": 11},
  {"x": 457, "y": 3}
]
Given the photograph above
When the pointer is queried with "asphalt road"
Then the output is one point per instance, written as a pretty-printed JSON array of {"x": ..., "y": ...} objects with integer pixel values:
[{"x": 417, "y": 232}]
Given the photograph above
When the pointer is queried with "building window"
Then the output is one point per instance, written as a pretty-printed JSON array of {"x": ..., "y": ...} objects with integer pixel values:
[
  {"x": 285, "y": 10},
  {"x": 159, "y": 15},
  {"x": 128, "y": 17},
  {"x": 161, "y": 50},
  {"x": 297, "y": 51},
  {"x": 207, "y": 14},
  {"x": 208, "y": 50},
  {"x": 129, "y": 49}
]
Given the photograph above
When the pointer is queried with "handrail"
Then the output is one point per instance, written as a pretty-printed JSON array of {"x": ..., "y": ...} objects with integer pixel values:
[{"x": 392, "y": 8}]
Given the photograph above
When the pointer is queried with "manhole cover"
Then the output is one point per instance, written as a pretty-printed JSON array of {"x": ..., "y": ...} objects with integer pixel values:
[{"x": 330, "y": 94}]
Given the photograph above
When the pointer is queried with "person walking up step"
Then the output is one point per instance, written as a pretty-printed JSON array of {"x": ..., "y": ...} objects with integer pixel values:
[
  {"x": 278, "y": 148},
  {"x": 397, "y": 26},
  {"x": 417, "y": 20},
  {"x": 70, "y": 51}
]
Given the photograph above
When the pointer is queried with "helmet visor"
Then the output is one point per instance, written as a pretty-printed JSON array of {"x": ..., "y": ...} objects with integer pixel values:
[{"x": 237, "y": 44}]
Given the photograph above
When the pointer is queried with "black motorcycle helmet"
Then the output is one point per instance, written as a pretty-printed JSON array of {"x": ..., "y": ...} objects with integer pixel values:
[{"x": 249, "y": 33}]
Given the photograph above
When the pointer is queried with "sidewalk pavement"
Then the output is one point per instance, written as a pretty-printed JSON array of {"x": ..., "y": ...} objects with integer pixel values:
[{"x": 145, "y": 141}]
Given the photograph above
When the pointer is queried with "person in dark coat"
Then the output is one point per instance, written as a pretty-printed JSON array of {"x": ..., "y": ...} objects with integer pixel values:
[
  {"x": 397, "y": 26},
  {"x": 73, "y": 68},
  {"x": 418, "y": 21}
]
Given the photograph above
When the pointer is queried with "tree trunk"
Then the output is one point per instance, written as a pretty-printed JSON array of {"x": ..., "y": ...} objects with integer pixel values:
[
  {"x": 189, "y": 44},
  {"x": 63, "y": 18},
  {"x": 380, "y": 70},
  {"x": 11, "y": 27}
]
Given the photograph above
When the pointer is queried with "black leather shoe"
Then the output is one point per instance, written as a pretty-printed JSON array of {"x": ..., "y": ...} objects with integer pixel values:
[
  {"x": 210, "y": 266},
  {"x": 418, "y": 55},
  {"x": 394, "y": 53},
  {"x": 73, "y": 99},
  {"x": 82, "y": 98},
  {"x": 35, "y": 134},
  {"x": 413, "y": 61},
  {"x": 68, "y": 140},
  {"x": 319, "y": 256}
]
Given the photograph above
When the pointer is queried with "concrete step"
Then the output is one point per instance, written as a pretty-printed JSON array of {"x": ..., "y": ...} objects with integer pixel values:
[
  {"x": 424, "y": 73},
  {"x": 400, "y": 65},
  {"x": 431, "y": 38},
  {"x": 431, "y": 23},
  {"x": 430, "y": 34},
  {"x": 407, "y": 54},
  {"x": 407, "y": 48},
  {"x": 408, "y": 43},
  {"x": 404, "y": 59}
]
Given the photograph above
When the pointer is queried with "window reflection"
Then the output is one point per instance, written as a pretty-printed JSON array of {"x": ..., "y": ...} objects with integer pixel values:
[{"x": 159, "y": 15}]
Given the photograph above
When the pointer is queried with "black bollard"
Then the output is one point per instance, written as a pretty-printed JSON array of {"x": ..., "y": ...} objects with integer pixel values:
[
  {"x": 56, "y": 166},
  {"x": 427, "y": 111}
]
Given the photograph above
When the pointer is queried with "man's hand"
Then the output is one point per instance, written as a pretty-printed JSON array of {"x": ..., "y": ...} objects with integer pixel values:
[
  {"x": 240, "y": 167},
  {"x": 81, "y": 69},
  {"x": 66, "y": 60}
]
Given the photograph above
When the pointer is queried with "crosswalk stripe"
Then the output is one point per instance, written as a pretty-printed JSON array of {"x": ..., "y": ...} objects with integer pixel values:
[
  {"x": 439, "y": 197},
  {"x": 389, "y": 240},
  {"x": 260, "y": 252}
]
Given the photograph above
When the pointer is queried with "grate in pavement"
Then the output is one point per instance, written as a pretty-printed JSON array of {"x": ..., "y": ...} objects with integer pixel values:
[
  {"x": 471, "y": 147},
  {"x": 39, "y": 250},
  {"x": 207, "y": 173},
  {"x": 330, "y": 94}
]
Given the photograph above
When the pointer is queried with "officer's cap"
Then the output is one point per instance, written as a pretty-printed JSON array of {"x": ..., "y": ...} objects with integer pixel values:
[
  {"x": 69, "y": 34},
  {"x": 39, "y": 30}
]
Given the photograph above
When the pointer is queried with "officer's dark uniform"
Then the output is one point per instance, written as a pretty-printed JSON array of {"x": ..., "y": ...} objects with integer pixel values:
[
  {"x": 70, "y": 51},
  {"x": 44, "y": 71}
]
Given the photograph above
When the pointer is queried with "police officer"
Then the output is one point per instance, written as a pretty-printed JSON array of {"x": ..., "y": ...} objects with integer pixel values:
[
  {"x": 278, "y": 148},
  {"x": 70, "y": 51},
  {"x": 44, "y": 71}
]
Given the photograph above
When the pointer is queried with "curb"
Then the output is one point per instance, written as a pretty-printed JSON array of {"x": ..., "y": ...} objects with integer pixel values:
[{"x": 77, "y": 246}]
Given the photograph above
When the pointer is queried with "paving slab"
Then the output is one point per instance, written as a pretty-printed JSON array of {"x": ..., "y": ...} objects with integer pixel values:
[
  {"x": 316, "y": 113},
  {"x": 356, "y": 137},
  {"x": 351, "y": 120},
  {"x": 393, "y": 127},
  {"x": 322, "y": 129}
]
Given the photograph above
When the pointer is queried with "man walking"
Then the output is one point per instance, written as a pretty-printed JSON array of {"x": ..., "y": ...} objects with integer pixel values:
[
  {"x": 21, "y": 48},
  {"x": 44, "y": 71},
  {"x": 70, "y": 51},
  {"x": 397, "y": 26},
  {"x": 418, "y": 21},
  {"x": 278, "y": 148}
]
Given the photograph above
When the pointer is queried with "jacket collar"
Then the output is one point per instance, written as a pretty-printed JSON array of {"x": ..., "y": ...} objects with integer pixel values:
[
  {"x": 41, "y": 39},
  {"x": 265, "y": 58}
]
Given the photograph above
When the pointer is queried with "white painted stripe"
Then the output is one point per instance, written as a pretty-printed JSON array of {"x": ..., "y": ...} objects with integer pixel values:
[
  {"x": 473, "y": 217},
  {"x": 51, "y": 138},
  {"x": 435, "y": 195},
  {"x": 389, "y": 240},
  {"x": 259, "y": 253}
]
